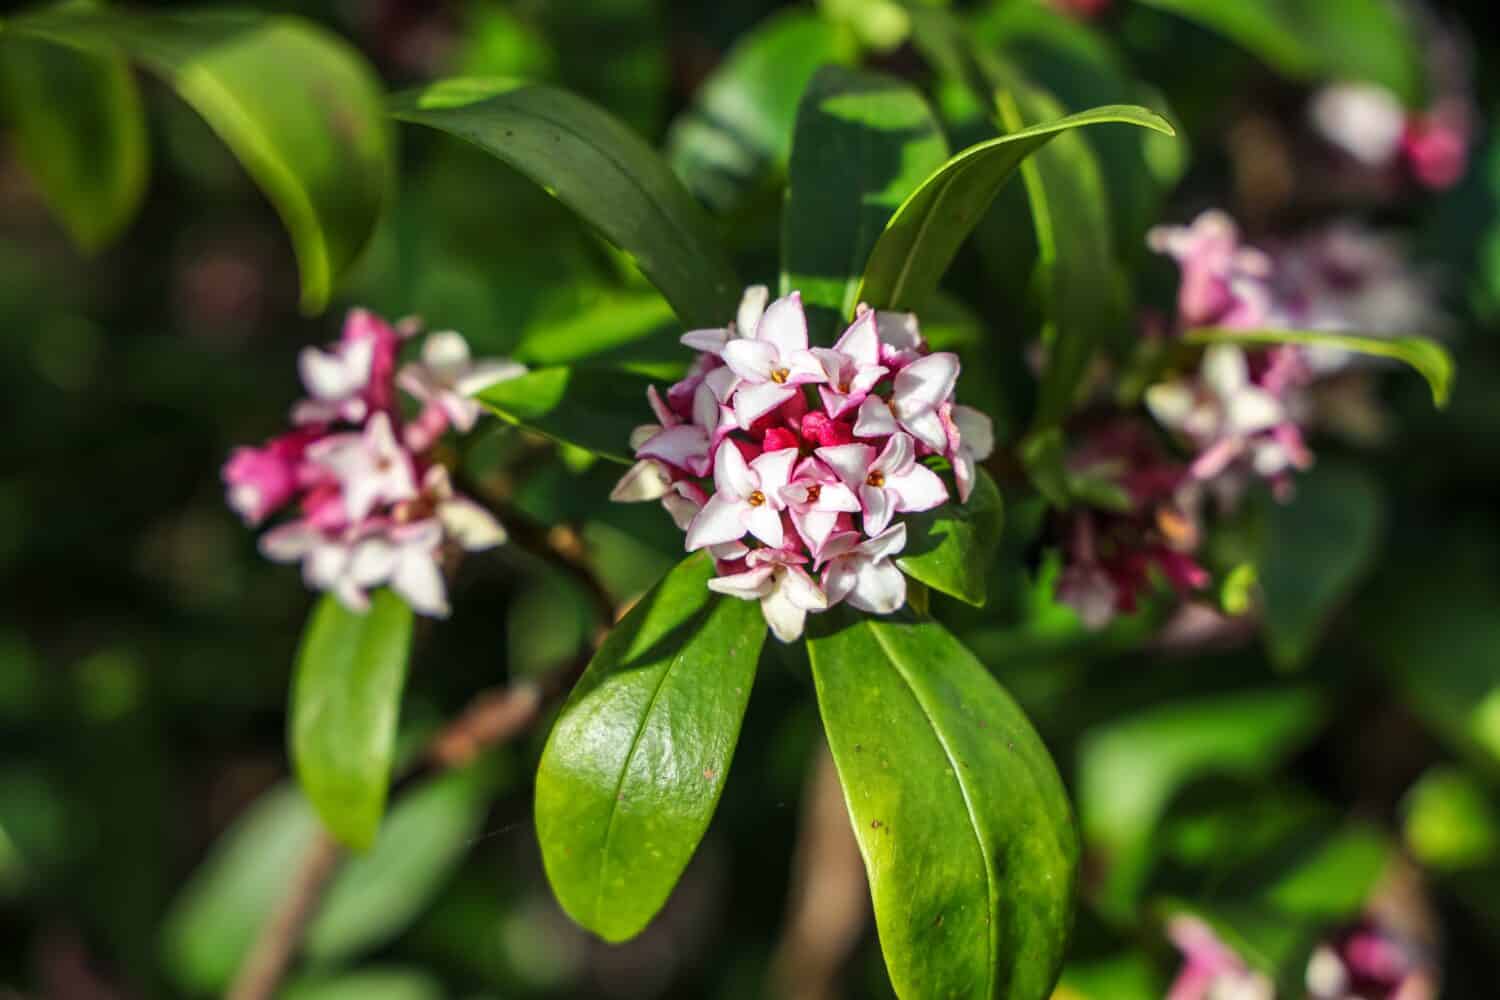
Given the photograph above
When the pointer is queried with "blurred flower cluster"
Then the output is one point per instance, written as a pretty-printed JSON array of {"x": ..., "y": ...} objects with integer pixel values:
[
  {"x": 371, "y": 505},
  {"x": 1366, "y": 961},
  {"x": 769, "y": 449}
]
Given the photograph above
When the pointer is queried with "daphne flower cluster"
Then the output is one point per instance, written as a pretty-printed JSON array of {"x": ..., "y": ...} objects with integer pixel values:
[
  {"x": 791, "y": 463},
  {"x": 371, "y": 507},
  {"x": 1367, "y": 961}
]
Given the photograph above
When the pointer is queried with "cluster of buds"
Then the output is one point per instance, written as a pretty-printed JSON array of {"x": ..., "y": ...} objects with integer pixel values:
[
  {"x": 1364, "y": 962},
  {"x": 372, "y": 506},
  {"x": 790, "y": 463}
]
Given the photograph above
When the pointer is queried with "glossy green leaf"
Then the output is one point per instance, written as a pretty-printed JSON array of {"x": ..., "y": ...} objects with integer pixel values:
[
  {"x": 633, "y": 769},
  {"x": 346, "y": 698},
  {"x": 965, "y": 829},
  {"x": 1315, "y": 549},
  {"x": 297, "y": 105},
  {"x": 1130, "y": 770},
  {"x": 590, "y": 408},
  {"x": 1431, "y": 359},
  {"x": 926, "y": 232},
  {"x": 1452, "y": 822},
  {"x": 634, "y": 330},
  {"x": 862, "y": 144},
  {"x": 80, "y": 132},
  {"x": 1342, "y": 39},
  {"x": 740, "y": 124},
  {"x": 379, "y": 894},
  {"x": 600, "y": 169},
  {"x": 951, "y": 548}
]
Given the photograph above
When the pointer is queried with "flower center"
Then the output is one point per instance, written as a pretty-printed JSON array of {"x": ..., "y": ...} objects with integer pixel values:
[
  {"x": 876, "y": 478},
  {"x": 894, "y": 407},
  {"x": 756, "y": 499},
  {"x": 779, "y": 375},
  {"x": 844, "y": 387},
  {"x": 813, "y": 492}
]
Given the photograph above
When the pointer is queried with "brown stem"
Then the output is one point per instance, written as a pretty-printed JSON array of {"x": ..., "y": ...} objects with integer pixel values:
[{"x": 493, "y": 718}]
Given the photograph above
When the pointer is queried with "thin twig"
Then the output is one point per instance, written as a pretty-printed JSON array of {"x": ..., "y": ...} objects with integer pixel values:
[{"x": 492, "y": 719}]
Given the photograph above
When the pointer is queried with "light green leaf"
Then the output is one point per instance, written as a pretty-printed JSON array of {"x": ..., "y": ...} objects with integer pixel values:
[
  {"x": 951, "y": 548},
  {"x": 863, "y": 142},
  {"x": 297, "y": 105},
  {"x": 1451, "y": 820},
  {"x": 1331, "y": 39},
  {"x": 346, "y": 697},
  {"x": 80, "y": 132},
  {"x": 740, "y": 125},
  {"x": 633, "y": 769},
  {"x": 1315, "y": 549},
  {"x": 1130, "y": 770},
  {"x": 590, "y": 408},
  {"x": 1431, "y": 359},
  {"x": 961, "y": 817},
  {"x": 600, "y": 169},
  {"x": 374, "y": 983},
  {"x": 926, "y": 232}
]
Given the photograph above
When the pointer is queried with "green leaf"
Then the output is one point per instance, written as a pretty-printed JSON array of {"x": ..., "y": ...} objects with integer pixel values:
[
  {"x": 1451, "y": 820},
  {"x": 1431, "y": 359},
  {"x": 961, "y": 817},
  {"x": 297, "y": 105},
  {"x": 600, "y": 169},
  {"x": 366, "y": 984},
  {"x": 1338, "y": 39},
  {"x": 80, "y": 132},
  {"x": 1130, "y": 770},
  {"x": 1315, "y": 549},
  {"x": 926, "y": 232},
  {"x": 590, "y": 408},
  {"x": 346, "y": 696},
  {"x": 635, "y": 330},
  {"x": 740, "y": 125},
  {"x": 863, "y": 142},
  {"x": 951, "y": 548},
  {"x": 633, "y": 769},
  {"x": 377, "y": 895}
]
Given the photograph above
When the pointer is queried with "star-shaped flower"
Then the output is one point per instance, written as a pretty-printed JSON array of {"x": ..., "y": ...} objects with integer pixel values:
[
  {"x": 1219, "y": 411},
  {"x": 920, "y": 388},
  {"x": 447, "y": 377},
  {"x": 774, "y": 362},
  {"x": 747, "y": 498},
  {"x": 815, "y": 497},
  {"x": 787, "y": 593},
  {"x": 886, "y": 483},
  {"x": 860, "y": 571},
  {"x": 852, "y": 367},
  {"x": 371, "y": 466}
]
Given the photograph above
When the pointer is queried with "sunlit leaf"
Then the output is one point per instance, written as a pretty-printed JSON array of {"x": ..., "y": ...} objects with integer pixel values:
[
  {"x": 951, "y": 548},
  {"x": 634, "y": 766},
  {"x": 965, "y": 829},
  {"x": 590, "y": 408},
  {"x": 600, "y": 169}
]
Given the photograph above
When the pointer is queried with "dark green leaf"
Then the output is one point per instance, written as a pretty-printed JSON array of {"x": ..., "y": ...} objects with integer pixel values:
[
  {"x": 366, "y": 984},
  {"x": 951, "y": 548},
  {"x": 740, "y": 124},
  {"x": 1315, "y": 549},
  {"x": 1431, "y": 359},
  {"x": 297, "y": 105},
  {"x": 346, "y": 697},
  {"x": 961, "y": 817},
  {"x": 590, "y": 408},
  {"x": 600, "y": 169},
  {"x": 634, "y": 766},
  {"x": 863, "y": 142},
  {"x": 80, "y": 132},
  {"x": 1130, "y": 770},
  {"x": 925, "y": 233},
  {"x": 1342, "y": 39},
  {"x": 635, "y": 330}
]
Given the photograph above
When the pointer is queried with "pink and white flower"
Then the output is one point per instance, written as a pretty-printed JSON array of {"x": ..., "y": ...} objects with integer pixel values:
[
  {"x": 774, "y": 362},
  {"x": 971, "y": 440},
  {"x": 1210, "y": 969},
  {"x": 852, "y": 367},
  {"x": 371, "y": 466},
  {"x": 860, "y": 570},
  {"x": 887, "y": 482},
  {"x": 787, "y": 593},
  {"x": 815, "y": 498},
  {"x": 747, "y": 498},
  {"x": 920, "y": 389},
  {"x": 263, "y": 480},
  {"x": 447, "y": 378},
  {"x": 1224, "y": 413},
  {"x": 1223, "y": 282}
]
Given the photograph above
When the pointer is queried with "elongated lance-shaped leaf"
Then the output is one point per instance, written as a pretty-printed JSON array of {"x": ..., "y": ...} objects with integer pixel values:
[
  {"x": 951, "y": 547},
  {"x": 599, "y": 168},
  {"x": 297, "y": 105},
  {"x": 1431, "y": 359},
  {"x": 590, "y": 408},
  {"x": 633, "y": 769},
  {"x": 80, "y": 132},
  {"x": 926, "y": 232},
  {"x": 346, "y": 698},
  {"x": 961, "y": 817},
  {"x": 863, "y": 142}
]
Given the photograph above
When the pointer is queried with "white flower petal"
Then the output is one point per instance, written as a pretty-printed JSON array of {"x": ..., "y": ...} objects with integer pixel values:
[
  {"x": 764, "y": 522},
  {"x": 707, "y": 341},
  {"x": 732, "y": 476},
  {"x": 976, "y": 430},
  {"x": 470, "y": 525},
  {"x": 1171, "y": 403},
  {"x": 927, "y": 427},
  {"x": 751, "y": 359},
  {"x": 419, "y": 581},
  {"x": 879, "y": 505},
  {"x": 801, "y": 589},
  {"x": 1225, "y": 370},
  {"x": 751, "y": 585},
  {"x": 898, "y": 457},
  {"x": 850, "y": 462},
  {"x": 783, "y": 326},
  {"x": 720, "y": 520},
  {"x": 1251, "y": 410},
  {"x": 774, "y": 470},
  {"x": 926, "y": 382},
  {"x": 752, "y": 307},
  {"x": 860, "y": 343},
  {"x": 446, "y": 354},
  {"x": 484, "y": 374},
  {"x": 874, "y": 419},
  {"x": 920, "y": 489},
  {"x": 645, "y": 480},
  {"x": 685, "y": 446},
  {"x": 889, "y": 543},
  {"x": 751, "y": 402},
  {"x": 879, "y": 587}
]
